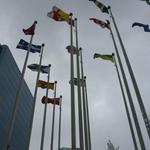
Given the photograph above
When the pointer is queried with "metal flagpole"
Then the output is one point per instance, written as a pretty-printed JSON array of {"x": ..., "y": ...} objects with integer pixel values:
[
  {"x": 45, "y": 110},
  {"x": 139, "y": 98},
  {"x": 34, "y": 98},
  {"x": 79, "y": 99},
  {"x": 53, "y": 119},
  {"x": 86, "y": 135},
  {"x": 138, "y": 129},
  {"x": 59, "y": 131},
  {"x": 15, "y": 108},
  {"x": 88, "y": 118},
  {"x": 73, "y": 122},
  {"x": 126, "y": 106}
]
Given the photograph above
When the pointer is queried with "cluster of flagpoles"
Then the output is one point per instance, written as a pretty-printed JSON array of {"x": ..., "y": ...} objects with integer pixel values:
[
  {"x": 107, "y": 10},
  {"x": 83, "y": 109},
  {"x": 29, "y": 47},
  {"x": 80, "y": 82},
  {"x": 83, "y": 112}
]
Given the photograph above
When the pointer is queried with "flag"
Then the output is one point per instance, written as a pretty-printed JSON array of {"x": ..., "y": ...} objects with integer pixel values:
[
  {"x": 71, "y": 49},
  {"x": 105, "y": 57},
  {"x": 147, "y": 1},
  {"x": 35, "y": 67},
  {"x": 100, "y": 5},
  {"x": 44, "y": 85},
  {"x": 24, "y": 45},
  {"x": 30, "y": 30},
  {"x": 82, "y": 82},
  {"x": 51, "y": 100},
  {"x": 101, "y": 23},
  {"x": 145, "y": 26},
  {"x": 59, "y": 15}
]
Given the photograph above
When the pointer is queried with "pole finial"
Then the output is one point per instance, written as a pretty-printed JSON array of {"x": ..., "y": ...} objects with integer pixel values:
[
  {"x": 109, "y": 7},
  {"x": 80, "y": 49},
  {"x": 49, "y": 65},
  {"x": 35, "y": 22},
  {"x": 71, "y": 14},
  {"x": 113, "y": 54},
  {"x": 55, "y": 82},
  {"x": 43, "y": 45}
]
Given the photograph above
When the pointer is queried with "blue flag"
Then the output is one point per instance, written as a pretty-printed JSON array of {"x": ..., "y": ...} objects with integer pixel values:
[
  {"x": 145, "y": 26},
  {"x": 24, "y": 45},
  {"x": 35, "y": 67}
]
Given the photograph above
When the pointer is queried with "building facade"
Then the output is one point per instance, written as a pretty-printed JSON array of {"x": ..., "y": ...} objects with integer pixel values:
[{"x": 9, "y": 77}]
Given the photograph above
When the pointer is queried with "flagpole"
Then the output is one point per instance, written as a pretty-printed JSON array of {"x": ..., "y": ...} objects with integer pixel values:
[
  {"x": 79, "y": 98},
  {"x": 34, "y": 98},
  {"x": 59, "y": 131},
  {"x": 139, "y": 98},
  {"x": 138, "y": 129},
  {"x": 87, "y": 141},
  {"x": 88, "y": 118},
  {"x": 85, "y": 107},
  {"x": 53, "y": 119},
  {"x": 73, "y": 122},
  {"x": 15, "y": 108},
  {"x": 45, "y": 111},
  {"x": 125, "y": 103}
]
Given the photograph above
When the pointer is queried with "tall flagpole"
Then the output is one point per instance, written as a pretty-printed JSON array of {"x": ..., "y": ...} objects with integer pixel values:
[
  {"x": 138, "y": 129},
  {"x": 79, "y": 99},
  {"x": 88, "y": 118},
  {"x": 73, "y": 122},
  {"x": 86, "y": 135},
  {"x": 15, "y": 108},
  {"x": 126, "y": 106},
  {"x": 139, "y": 98},
  {"x": 53, "y": 119},
  {"x": 45, "y": 111},
  {"x": 59, "y": 131},
  {"x": 34, "y": 98}
]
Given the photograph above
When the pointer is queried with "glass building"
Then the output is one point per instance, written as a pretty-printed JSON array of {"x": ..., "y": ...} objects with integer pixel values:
[{"x": 9, "y": 75}]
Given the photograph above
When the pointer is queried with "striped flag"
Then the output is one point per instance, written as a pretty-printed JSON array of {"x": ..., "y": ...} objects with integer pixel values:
[
  {"x": 105, "y": 57},
  {"x": 44, "y": 85},
  {"x": 51, "y": 100},
  {"x": 101, "y": 23}
]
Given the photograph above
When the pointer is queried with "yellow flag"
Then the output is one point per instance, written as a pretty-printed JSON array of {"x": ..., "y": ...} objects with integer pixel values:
[
  {"x": 59, "y": 15},
  {"x": 44, "y": 85}
]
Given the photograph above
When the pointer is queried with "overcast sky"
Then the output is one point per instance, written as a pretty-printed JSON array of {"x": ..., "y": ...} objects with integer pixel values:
[{"x": 107, "y": 113}]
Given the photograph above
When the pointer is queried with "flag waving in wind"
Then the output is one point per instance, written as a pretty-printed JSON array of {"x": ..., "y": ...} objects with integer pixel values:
[
  {"x": 59, "y": 15},
  {"x": 105, "y": 57},
  {"x": 145, "y": 26},
  {"x": 35, "y": 67},
  {"x": 147, "y": 1},
  {"x": 30, "y": 30},
  {"x": 100, "y": 5},
  {"x": 45, "y": 85},
  {"x": 51, "y": 100},
  {"x": 24, "y": 45},
  {"x": 101, "y": 23}
]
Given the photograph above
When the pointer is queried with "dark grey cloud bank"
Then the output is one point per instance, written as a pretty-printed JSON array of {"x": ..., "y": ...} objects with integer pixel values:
[{"x": 107, "y": 112}]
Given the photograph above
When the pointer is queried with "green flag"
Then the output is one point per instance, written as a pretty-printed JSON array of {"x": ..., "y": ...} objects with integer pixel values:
[{"x": 105, "y": 57}]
